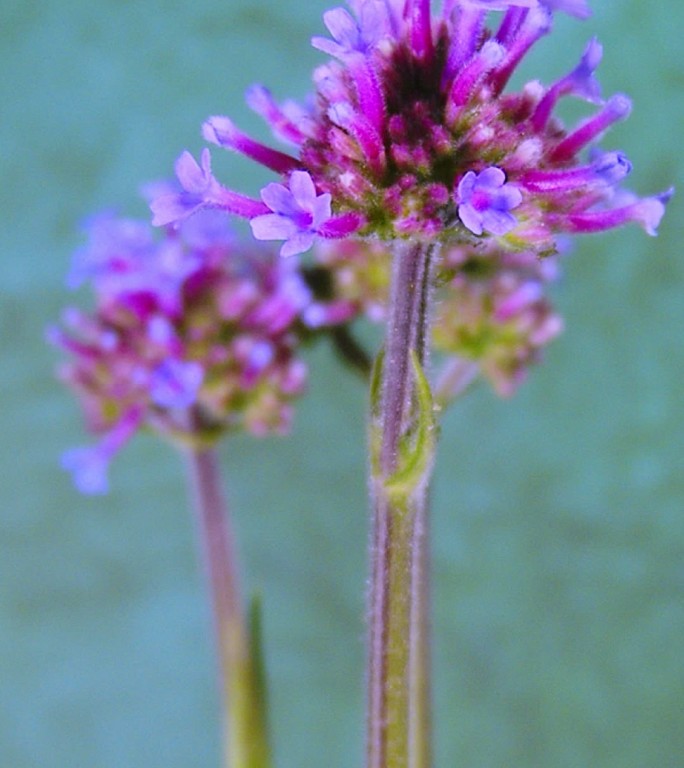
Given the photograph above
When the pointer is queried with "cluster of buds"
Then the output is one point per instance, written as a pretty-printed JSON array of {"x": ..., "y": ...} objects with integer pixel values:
[
  {"x": 192, "y": 335},
  {"x": 494, "y": 314},
  {"x": 412, "y": 135}
]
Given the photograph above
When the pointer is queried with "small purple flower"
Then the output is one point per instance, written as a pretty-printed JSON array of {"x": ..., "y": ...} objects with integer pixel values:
[
  {"x": 198, "y": 185},
  {"x": 176, "y": 383},
  {"x": 199, "y": 189},
  {"x": 350, "y": 37},
  {"x": 298, "y": 214},
  {"x": 88, "y": 467},
  {"x": 485, "y": 201}
]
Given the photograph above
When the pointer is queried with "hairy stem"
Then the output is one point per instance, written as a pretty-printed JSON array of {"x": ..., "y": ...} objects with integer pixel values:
[
  {"x": 240, "y": 679},
  {"x": 398, "y": 678}
]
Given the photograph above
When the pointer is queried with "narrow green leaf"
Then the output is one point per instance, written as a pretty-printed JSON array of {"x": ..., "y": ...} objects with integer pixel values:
[
  {"x": 376, "y": 383},
  {"x": 417, "y": 449},
  {"x": 375, "y": 434},
  {"x": 256, "y": 653}
]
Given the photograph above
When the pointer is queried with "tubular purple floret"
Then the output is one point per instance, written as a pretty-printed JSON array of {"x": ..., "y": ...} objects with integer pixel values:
[
  {"x": 351, "y": 37},
  {"x": 647, "y": 212},
  {"x": 369, "y": 93},
  {"x": 260, "y": 100},
  {"x": 511, "y": 23},
  {"x": 344, "y": 225},
  {"x": 518, "y": 300},
  {"x": 471, "y": 75},
  {"x": 467, "y": 22},
  {"x": 89, "y": 465},
  {"x": 616, "y": 108},
  {"x": 418, "y": 12},
  {"x": 608, "y": 168},
  {"x": 175, "y": 383},
  {"x": 370, "y": 142},
  {"x": 347, "y": 36},
  {"x": 536, "y": 24},
  {"x": 580, "y": 82},
  {"x": 577, "y": 8},
  {"x": 223, "y": 132}
]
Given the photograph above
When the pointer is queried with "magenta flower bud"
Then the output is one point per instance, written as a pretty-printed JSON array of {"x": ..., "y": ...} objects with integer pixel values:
[
  {"x": 222, "y": 131},
  {"x": 286, "y": 124}
]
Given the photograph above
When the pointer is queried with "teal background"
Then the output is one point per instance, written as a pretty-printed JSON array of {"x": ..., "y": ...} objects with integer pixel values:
[{"x": 558, "y": 525}]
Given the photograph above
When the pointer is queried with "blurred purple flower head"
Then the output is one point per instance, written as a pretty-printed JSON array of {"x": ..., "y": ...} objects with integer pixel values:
[
  {"x": 412, "y": 134},
  {"x": 495, "y": 314},
  {"x": 192, "y": 334}
]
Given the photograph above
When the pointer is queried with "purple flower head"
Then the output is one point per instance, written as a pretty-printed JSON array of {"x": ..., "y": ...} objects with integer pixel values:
[
  {"x": 220, "y": 356},
  {"x": 408, "y": 119},
  {"x": 494, "y": 317},
  {"x": 485, "y": 202}
]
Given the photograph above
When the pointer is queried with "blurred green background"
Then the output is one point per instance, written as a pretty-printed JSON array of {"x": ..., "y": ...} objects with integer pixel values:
[{"x": 558, "y": 526}]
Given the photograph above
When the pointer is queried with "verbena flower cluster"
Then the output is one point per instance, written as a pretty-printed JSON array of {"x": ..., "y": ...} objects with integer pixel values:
[
  {"x": 192, "y": 334},
  {"x": 411, "y": 134}
]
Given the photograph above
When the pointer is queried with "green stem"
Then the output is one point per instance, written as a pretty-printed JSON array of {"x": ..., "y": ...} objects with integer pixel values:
[
  {"x": 240, "y": 674},
  {"x": 399, "y": 681}
]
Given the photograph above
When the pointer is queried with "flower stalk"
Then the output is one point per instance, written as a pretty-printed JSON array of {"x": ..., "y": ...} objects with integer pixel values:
[
  {"x": 240, "y": 670},
  {"x": 401, "y": 446}
]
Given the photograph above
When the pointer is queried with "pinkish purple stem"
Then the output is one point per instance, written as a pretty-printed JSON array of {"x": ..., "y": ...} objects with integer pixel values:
[{"x": 241, "y": 686}]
